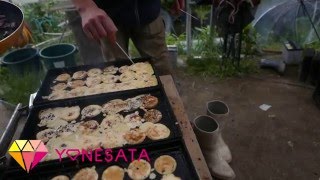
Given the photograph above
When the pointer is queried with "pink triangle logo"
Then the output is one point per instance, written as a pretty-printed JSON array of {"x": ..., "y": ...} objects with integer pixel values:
[
  {"x": 32, "y": 153},
  {"x": 40, "y": 153},
  {"x": 37, "y": 158},
  {"x": 28, "y": 158}
]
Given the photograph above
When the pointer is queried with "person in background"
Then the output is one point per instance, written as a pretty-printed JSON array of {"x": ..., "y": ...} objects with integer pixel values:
[{"x": 116, "y": 21}]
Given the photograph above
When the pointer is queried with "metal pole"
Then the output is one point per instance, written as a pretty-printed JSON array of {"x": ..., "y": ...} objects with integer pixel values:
[
  {"x": 9, "y": 131},
  {"x": 309, "y": 17},
  {"x": 188, "y": 29}
]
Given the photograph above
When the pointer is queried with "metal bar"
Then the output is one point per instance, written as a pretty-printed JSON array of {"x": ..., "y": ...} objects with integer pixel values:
[
  {"x": 309, "y": 17},
  {"x": 124, "y": 52},
  {"x": 189, "y": 14},
  {"x": 10, "y": 130},
  {"x": 188, "y": 29}
]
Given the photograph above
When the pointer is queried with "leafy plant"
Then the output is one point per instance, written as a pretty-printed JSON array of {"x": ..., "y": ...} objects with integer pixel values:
[
  {"x": 17, "y": 89},
  {"x": 315, "y": 45},
  {"x": 206, "y": 57},
  {"x": 179, "y": 41},
  {"x": 250, "y": 36},
  {"x": 133, "y": 51},
  {"x": 206, "y": 45},
  {"x": 202, "y": 12},
  {"x": 42, "y": 19},
  {"x": 214, "y": 67}
]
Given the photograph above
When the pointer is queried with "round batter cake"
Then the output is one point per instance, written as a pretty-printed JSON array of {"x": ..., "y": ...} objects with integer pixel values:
[
  {"x": 113, "y": 173},
  {"x": 63, "y": 77},
  {"x": 91, "y": 111},
  {"x": 134, "y": 136},
  {"x": 139, "y": 169},
  {"x": 94, "y": 72},
  {"x": 79, "y": 75},
  {"x": 60, "y": 177},
  {"x": 46, "y": 135},
  {"x": 59, "y": 86},
  {"x": 152, "y": 115},
  {"x": 86, "y": 174},
  {"x": 158, "y": 131},
  {"x": 68, "y": 113},
  {"x": 165, "y": 164}
]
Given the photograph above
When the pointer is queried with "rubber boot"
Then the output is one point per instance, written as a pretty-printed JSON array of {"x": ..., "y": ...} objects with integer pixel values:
[
  {"x": 305, "y": 65},
  {"x": 219, "y": 111},
  {"x": 315, "y": 69},
  {"x": 316, "y": 95},
  {"x": 212, "y": 145},
  {"x": 278, "y": 66}
]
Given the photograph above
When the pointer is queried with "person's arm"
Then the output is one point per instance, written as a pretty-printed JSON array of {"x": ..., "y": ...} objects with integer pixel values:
[
  {"x": 178, "y": 6},
  {"x": 95, "y": 22}
]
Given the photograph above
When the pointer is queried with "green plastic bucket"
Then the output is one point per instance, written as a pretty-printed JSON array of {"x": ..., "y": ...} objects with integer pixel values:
[
  {"x": 58, "y": 56},
  {"x": 22, "y": 61}
]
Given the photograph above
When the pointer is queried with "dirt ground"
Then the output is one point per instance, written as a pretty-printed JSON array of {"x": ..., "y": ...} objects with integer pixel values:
[{"x": 281, "y": 143}]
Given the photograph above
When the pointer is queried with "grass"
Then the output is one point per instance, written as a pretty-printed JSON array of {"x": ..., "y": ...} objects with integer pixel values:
[
  {"x": 213, "y": 67},
  {"x": 17, "y": 89}
]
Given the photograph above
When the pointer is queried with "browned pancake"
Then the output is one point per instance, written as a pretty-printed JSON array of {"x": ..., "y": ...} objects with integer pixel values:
[
  {"x": 113, "y": 173},
  {"x": 152, "y": 115},
  {"x": 165, "y": 164},
  {"x": 139, "y": 169},
  {"x": 86, "y": 174}
]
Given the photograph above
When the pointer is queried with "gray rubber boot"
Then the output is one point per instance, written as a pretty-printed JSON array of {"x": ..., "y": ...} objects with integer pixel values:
[
  {"x": 209, "y": 138},
  {"x": 219, "y": 111}
]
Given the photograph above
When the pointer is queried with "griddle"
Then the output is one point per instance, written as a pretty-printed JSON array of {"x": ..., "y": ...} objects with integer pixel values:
[
  {"x": 31, "y": 128},
  {"x": 47, "y": 83}
]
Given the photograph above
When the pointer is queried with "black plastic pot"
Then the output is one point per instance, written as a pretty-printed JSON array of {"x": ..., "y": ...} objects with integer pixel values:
[
  {"x": 59, "y": 56},
  {"x": 22, "y": 61}
]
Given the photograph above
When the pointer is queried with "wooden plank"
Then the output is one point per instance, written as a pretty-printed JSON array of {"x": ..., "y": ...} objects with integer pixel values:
[{"x": 187, "y": 132}]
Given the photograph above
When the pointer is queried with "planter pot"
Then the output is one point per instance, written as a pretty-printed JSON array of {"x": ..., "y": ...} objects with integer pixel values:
[
  {"x": 58, "y": 56},
  {"x": 22, "y": 61}
]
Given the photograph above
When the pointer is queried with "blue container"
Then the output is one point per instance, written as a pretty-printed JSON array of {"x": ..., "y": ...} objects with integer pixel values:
[
  {"x": 58, "y": 56},
  {"x": 22, "y": 61}
]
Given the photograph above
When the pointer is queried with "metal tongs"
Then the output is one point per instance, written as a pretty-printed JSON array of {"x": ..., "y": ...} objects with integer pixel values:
[{"x": 123, "y": 51}]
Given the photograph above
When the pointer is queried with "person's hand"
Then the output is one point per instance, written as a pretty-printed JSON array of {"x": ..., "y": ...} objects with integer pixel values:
[
  {"x": 97, "y": 24},
  {"x": 177, "y": 7}
]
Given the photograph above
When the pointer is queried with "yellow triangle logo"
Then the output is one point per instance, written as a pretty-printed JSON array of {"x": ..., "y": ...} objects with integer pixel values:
[
  {"x": 14, "y": 147},
  {"x": 28, "y": 147},
  {"x": 21, "y": 143},
  {"x": 18, "y": 157}
]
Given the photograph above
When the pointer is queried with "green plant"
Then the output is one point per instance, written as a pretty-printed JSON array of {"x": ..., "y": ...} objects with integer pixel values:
[
  {"x": 206, "y": 57},
  {"x": 205, "y": 44},
  {"x": 42, "y": 19},
  {"x": 202, "y": 12},
  {"x": 315, "y": 45},
  {"x": 214, "y": 67},
  {"x": 17, "y": 89},
  {"x": 250, "y": 36},
  {"x": 171, "y": 39},
  {"x": 179, "y": 41},
  {"x": 133, "y": 51}
]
